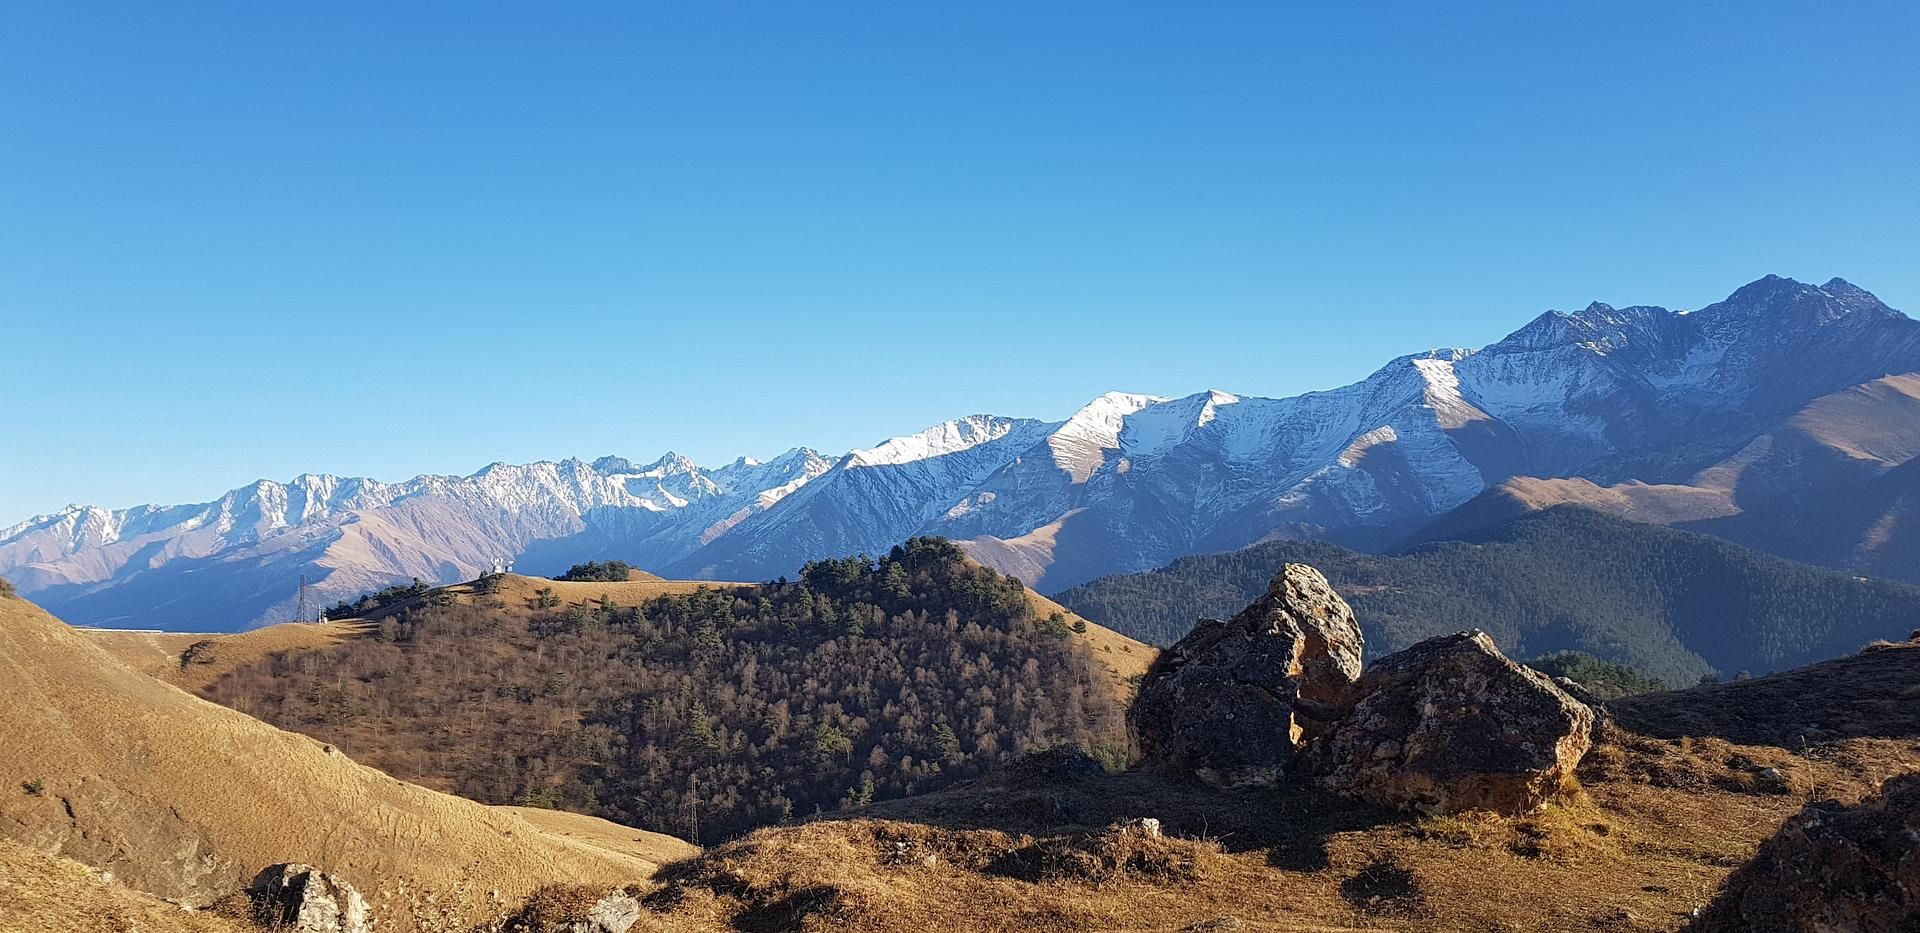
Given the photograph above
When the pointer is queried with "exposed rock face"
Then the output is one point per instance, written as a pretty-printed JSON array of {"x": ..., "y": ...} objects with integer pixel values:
[
  {"x": 1449, "y": 725},
  {"x": 304, "y": 899},
  {"x": 615, "y": 913},
  {"x": 1232, "y": 700},
  {"x": 575, "y": 909},
  {"x": 1831, "y": 867}
]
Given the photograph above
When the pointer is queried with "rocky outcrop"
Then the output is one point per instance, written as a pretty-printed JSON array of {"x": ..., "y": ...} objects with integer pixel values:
[
  {"x": 1831, "y": 867},
  {"x": 1233, "y": 700},
  {"x": 303, "y": 899},
  {"x": 1451, "y": 724},
  {"x": 575, "y": 909}
]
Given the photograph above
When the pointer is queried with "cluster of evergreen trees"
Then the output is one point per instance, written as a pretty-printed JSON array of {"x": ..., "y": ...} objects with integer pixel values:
[
  {"x": 372, "y": 603},
  {"x": 594, "y": 571},
  {"x": 1673, "y": 606},
  {"x": 709, "y": 713}
]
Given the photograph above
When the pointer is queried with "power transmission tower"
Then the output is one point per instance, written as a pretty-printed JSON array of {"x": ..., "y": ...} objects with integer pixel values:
[
  {"x": 693, "y": 809},
  {"x": 300, "y": 614}
]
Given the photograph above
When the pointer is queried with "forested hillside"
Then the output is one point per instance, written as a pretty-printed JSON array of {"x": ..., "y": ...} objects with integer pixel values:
[
  {"x": 705, "y": 713},
  {"x": 1672, "y": 605}
]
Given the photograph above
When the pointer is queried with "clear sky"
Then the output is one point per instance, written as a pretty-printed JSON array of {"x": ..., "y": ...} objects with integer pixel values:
[{"x": 244, "y": 240}]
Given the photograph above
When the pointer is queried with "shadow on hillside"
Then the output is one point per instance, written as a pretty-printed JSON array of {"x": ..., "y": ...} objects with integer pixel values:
[
  {"x": 1291, "y": 823},
  {"x": 1873, "y": 694}
]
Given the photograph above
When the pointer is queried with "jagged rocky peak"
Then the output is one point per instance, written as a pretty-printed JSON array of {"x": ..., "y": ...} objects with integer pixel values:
[
  {"x": 1777, "y": 301},
  {"x": 943, "y": 439},
  {"x": 611, "y": 466}
]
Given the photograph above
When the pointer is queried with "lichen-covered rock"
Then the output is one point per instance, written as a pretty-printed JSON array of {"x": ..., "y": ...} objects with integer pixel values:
[
  {"x": 304, "y": 899},
  {"x": 1232, "y": 700},
  {"x": 1451, "y": 724},
  {"x": 1831, "y": 867}
]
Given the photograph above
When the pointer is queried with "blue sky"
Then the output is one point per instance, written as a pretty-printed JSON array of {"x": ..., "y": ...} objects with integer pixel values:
[{"x": 244, "y": 240}]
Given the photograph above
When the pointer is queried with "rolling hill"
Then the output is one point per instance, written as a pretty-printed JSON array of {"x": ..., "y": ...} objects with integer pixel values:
[
  {"x": 705, "y": 710},
  {"x": 1671, "y": 604},
  {"x": 187, "y": 800}
]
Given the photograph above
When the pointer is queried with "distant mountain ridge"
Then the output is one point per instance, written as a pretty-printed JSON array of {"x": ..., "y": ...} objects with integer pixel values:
[{"x": 1609, "y": 397}]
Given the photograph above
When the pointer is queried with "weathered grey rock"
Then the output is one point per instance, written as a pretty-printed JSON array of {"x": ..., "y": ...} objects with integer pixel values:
[
  {"x": 560, "y": 908},
  {"x": 615, "y": 913},
  {"x": 304, "y": 899},
  {"x": 1450, "y": 725},
  {"x": 1232, "y": 701},
  {"x": 1831, "y": 867}
]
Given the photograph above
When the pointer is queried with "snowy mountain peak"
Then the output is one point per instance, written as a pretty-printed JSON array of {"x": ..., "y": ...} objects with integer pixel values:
[
  {"x": 1126, "y": 482},
  {"x": 948, "y": 437},
  {"x": 1777, "y": 302},
  {"x": 612, "y": 466},
  {"x": 1079, "y": 446}
]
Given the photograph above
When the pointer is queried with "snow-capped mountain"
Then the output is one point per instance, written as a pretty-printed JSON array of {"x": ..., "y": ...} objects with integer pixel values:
[{"x": 1128, "y": 482}]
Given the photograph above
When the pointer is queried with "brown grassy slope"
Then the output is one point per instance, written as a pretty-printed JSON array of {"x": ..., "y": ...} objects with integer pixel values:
[
  {"x": 1124, "y": 658},
  {"x": 1658, "y": 824},
  {"x": 1661, "y": 824},
  {"x": 42, "y": 893},
  {"x": 186, "y": 799},
  {"x": 191, "y": 661},
  {"x": 516, "y": 589}
]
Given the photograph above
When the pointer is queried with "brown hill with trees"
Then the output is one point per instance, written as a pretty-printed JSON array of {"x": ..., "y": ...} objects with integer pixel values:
[
  {"x": 705, "y": 710},
  {"x": 182, "y": 798}
]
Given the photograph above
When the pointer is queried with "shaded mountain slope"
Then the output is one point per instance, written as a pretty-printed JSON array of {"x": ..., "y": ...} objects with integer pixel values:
[
  {"x": 1670, "y": 604},
  {"x": 1834, "y": 483},
  {"x": 1873, "y": 694},
  {"x": 186, "y": 799}
]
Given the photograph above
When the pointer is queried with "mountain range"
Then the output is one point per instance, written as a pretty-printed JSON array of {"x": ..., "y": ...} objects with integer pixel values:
[{"x": 1782, "y": 416}]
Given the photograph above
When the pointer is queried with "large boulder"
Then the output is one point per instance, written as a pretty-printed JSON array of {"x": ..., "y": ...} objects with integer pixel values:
[
  {"x": 1232, "y": 701},
  {"x": 304, "y": 899},
  {"x": 1831, "y": 867},
  {"x": 1450, "y": 725}
]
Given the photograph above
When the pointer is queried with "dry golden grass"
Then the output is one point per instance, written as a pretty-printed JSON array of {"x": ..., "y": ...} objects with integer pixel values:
[
  {"x": 1657, "y": 826},
  {"x": 42, "y": 893},
  {"x": 517, "y": 590},
  {"x": 192, "y": 661},
  {"x": 596, "y": 836},
  {"x": 1124, "y": 658},
  {"x": 186, "y": 799}
]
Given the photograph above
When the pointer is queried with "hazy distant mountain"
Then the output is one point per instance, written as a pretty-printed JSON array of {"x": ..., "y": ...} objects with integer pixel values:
[{"x": 1598, "y": 403}]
